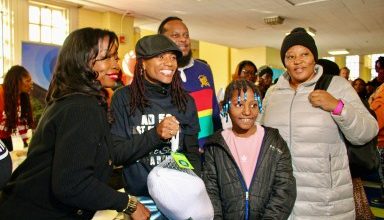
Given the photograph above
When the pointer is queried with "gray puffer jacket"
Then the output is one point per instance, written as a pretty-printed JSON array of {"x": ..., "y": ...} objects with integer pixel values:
[
  {"x": 272, "y": 191},
  {"x": 319, "y": 156}
]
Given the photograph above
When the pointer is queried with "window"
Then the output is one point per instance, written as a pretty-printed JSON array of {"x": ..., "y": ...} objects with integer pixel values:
[
  {"x": 352, "y": 62},
  {"x": 373, "y": 58},
  {"x": 47, "y": 23},
  {"x": 6, "y": 31}
]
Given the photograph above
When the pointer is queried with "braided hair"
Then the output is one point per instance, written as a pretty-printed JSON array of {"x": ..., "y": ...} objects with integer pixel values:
[
  {"x": 138, "y": 99},
  {"x": 239, "y": 85}
]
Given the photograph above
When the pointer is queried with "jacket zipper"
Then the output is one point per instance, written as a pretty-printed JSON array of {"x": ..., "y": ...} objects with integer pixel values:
[
  {"x": 242, "y": 181},
  {"x": 290, "y": 120},
  {"x": 330, "y": 169},
  {"x": 243, "y": 185}
]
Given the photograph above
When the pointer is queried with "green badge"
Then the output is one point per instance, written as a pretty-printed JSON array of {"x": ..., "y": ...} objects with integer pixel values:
[{"x": 182, "y": 161}]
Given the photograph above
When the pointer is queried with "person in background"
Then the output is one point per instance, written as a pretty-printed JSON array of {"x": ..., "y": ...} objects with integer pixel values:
[
  {"x": 376, "y": 102},
  {"x": 344, "y": 72},
  {"x": 155, "y": 93},
  {"x": 360, "y": 87},
  {"x": 246, "y": 69},
  {"x": 197, "y": 78},
  {"x": 15, "y": 106},
  {"x": 319, "y": 154},
  {"x": 369, "y": 89},
  {"x": 71, "y": 155},
  {"x": 248, "y": 168},
  {"x": 5, "y": 165},
  {"x": 379, "y": 67},
  {"x": 266, "y": 75}
]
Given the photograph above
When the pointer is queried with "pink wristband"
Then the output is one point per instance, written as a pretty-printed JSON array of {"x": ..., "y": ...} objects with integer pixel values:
[{"x": 339, "y": 108}]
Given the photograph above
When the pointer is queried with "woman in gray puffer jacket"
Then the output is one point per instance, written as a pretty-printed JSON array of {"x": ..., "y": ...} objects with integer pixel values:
[{"x": 311, "y": 122}]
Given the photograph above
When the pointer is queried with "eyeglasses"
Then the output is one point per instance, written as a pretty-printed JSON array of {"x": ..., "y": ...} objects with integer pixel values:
[{"x": 247, "y": 72}]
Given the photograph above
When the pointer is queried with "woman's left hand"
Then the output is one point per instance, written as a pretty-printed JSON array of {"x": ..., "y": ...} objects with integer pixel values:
[{"x": 322, "y": 99}]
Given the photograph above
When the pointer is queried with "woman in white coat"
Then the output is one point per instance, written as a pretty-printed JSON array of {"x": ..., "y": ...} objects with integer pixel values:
[{"x": 309, "y": 121}]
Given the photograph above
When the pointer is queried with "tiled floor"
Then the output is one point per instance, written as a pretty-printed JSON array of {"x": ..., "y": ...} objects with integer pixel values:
[{"x": 372, "y": 189}]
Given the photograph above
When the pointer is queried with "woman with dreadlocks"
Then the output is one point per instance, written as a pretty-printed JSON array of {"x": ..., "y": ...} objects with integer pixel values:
[
  {"x": 15, "y": 106},
  {"x": 248, "y": 168},
  {"x": 155, "y": 95}
]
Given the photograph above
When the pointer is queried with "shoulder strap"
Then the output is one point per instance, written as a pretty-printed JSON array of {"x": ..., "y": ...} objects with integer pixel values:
[{"x": 323, "y": 81}]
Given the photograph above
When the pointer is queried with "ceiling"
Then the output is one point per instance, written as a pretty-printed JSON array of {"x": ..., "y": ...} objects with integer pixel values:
[{"x": 357, "y": 25}]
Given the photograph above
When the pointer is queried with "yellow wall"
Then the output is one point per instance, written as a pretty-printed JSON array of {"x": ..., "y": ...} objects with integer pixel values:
[
  {"x": 89, "y": 18},
  {"x": 365, "y": 71},
  {"x": 257, "y": 55},
  {"x": 120, "y": 24},
  {"x": 273, "y": 58},
  {"x": 217, "y": 57}
]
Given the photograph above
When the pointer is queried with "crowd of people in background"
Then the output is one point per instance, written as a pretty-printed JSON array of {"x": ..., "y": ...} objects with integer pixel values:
[{"x": 249, "y": 143}]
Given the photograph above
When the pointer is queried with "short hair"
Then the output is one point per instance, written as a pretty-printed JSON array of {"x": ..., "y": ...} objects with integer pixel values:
[
  {"x": 381, "y": 61},
  {"x": 244, "y": 63},
  {"x": 346, "y": 68},
  {"x": 265, "y": 70},
  {"x": 161, "y": 28}
]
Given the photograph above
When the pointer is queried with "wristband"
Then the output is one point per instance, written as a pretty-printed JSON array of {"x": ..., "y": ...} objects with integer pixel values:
[
  {"x": 339, "y": 108},
  {"x": 131, "y": 206}
]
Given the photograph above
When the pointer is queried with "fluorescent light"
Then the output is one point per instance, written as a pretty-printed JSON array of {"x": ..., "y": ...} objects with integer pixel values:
[
  {"x": 311, "y": 31},
  {"x": 303, "y": 2},
  {"x": 338, "y": 52}
]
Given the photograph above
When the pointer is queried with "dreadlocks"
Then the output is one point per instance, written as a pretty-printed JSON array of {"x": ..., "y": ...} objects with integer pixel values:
[{"x": 137, "y": 88}]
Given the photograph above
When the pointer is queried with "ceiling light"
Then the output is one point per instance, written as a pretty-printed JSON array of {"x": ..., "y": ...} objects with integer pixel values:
[
  {"x": 311, "y": 31},
  {"x": 274, "y": 20},
  {"x": 338, "y": 52},
  {"x": 303, "y": 2}
]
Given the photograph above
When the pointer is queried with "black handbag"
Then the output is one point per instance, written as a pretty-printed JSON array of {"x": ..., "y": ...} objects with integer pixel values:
[{"x": 363, "y": 159}]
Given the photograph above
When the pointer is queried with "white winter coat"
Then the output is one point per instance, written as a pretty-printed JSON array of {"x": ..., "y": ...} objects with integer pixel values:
[{"x": 319, "y": 156}]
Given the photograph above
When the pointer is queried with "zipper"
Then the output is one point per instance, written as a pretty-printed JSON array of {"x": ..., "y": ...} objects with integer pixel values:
[
  {"x": 290, "y": 120},
  {"x": 330, "y": 169},
  {"x": 246, "y": 205},
  {"x": 242, "y": 181},
  {"x": 244, "y": 186}
]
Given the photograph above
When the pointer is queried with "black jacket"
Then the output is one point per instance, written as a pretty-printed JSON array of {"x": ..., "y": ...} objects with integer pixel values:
[
  {"x": 69, "y": 161},
  {"x": 128, "y": 126},
  {"x": 272, "y": 192},
  {"x": 5, "y": 165}
]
